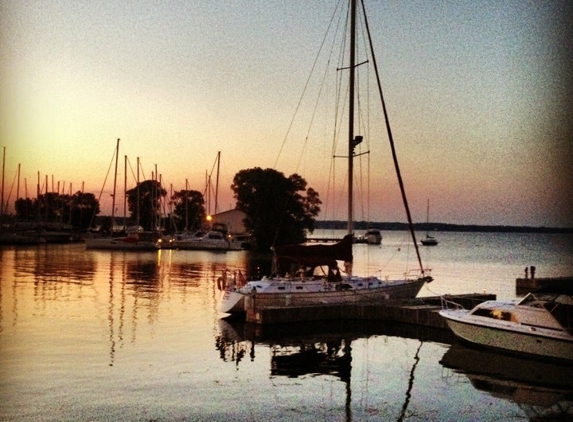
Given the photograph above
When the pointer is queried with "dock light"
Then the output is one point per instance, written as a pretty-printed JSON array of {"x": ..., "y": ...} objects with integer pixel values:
[{"x": 209, "y": 218}]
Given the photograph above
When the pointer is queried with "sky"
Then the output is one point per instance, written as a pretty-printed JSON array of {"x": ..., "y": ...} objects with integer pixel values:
[{"x": 478, "y": 96}]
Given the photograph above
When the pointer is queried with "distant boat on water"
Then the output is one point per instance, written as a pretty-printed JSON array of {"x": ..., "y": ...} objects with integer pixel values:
[
  {"x": 132, "y": 241},
  {"x": 428, "y": 240},
  {"x": 372, "y": 236}
]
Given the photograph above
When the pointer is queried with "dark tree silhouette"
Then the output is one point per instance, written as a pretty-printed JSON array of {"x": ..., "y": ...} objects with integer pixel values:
[
  {"x": 148, "y": 208},
  {"x": 280, "y": 210},
  {"x": 188, "y": 209},
  {"x": 26, "y": 209},
  {"x": 83, "y": 207}
]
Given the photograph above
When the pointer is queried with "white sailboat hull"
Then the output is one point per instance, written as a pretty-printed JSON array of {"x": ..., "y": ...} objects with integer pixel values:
[
  {"x": 121, "y": 243},
  {"x": 264, "y": 294}
]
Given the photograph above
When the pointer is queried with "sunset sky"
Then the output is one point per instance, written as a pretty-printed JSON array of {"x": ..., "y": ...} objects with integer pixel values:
[{"x": 478, "y": 93}]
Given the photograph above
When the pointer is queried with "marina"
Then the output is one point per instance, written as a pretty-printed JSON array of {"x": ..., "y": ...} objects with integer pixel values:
[
  {"x": 165, "y": 308},
  {"x": 122, "y": 335}
]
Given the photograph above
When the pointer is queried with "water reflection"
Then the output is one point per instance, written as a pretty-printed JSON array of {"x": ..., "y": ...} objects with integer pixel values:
[
  {"x": 542, "y": 390},
  {"x": 322, "y": 348},
  {"x": 43, "y": 264}
]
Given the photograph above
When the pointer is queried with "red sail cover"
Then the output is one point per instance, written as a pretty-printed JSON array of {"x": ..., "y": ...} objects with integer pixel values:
[{"x": 315, "y": 255}]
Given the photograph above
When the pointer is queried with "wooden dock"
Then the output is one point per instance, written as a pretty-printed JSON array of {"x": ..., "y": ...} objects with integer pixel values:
[
  {"x": 526, "y": 285},
  {"x": 420, "y": 311}
]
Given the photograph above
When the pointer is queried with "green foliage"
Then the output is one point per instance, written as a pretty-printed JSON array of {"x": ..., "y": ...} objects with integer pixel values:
[
  {"x": 188, "y": 209},
  {"x": 147, "y": 209},
  {"x": 280, "y": 210}
]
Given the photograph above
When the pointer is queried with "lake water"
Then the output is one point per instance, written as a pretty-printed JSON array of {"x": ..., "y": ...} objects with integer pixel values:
[{"x": 110, "y": 335}]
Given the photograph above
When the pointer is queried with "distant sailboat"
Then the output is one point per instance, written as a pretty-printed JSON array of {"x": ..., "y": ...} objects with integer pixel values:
[
  {"x": 131, "y": 241},
  {"x": 428, "y": 240}
]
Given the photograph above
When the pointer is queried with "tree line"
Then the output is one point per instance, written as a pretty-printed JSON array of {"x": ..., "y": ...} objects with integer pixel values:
[{"x": 279, "y": 209}]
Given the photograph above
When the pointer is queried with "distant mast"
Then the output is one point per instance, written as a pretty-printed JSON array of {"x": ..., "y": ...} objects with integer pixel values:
[{"x": 114, "y": 188}]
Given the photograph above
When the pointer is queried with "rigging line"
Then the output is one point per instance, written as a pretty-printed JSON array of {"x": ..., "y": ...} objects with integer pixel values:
[
  {"x": 322, "y": 85},
  {"x": 391, "y": 139},
  {"x": 304, "y": 89}
]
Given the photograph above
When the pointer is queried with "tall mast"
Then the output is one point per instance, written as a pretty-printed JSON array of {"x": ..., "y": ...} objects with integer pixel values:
[
  {"x": 217, "y": 183},
  {"x": 114, "y": 187},
  {"x": 351, "y": 115},
  {"x": 3, "y": 166},
  {"x": 137, "y": 218},
  {"x": 125, "y": 193}
]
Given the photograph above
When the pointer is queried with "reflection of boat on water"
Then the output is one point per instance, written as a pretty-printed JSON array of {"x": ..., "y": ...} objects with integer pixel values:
[
  {"x": 540, "y": 324},
  {"x": 541, "y": 389},
  {"x": 308, "y": 275},
  {"x": 301, "y": 339},
  {"x": 319, "y": 348}
]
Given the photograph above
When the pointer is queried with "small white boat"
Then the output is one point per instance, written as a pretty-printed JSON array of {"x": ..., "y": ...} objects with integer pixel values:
[
  {"x": 539, "y": 325},
  {"x": 212, "y": 240},
  {"x": 373, "y": 236}
]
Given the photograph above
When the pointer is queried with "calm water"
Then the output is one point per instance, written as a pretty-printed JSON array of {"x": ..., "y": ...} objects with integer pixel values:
[{"x": 101, "y": 335}]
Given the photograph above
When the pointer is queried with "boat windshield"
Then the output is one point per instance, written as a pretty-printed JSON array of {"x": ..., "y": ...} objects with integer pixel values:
[{"x": 559, "y": 305}]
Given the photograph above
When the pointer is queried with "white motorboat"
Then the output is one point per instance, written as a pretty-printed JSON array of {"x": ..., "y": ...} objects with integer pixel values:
[
  {"x": 373, "y": 236},
  {"x": 539, "y": 325},
  {"x": 208, "y": 240}
]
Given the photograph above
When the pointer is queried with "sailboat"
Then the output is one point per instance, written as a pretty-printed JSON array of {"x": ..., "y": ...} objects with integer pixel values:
[
  {"x": 317, "y": 279},
  {"x": 428, "y": 240},
  {"x": 131, "y": 241}
]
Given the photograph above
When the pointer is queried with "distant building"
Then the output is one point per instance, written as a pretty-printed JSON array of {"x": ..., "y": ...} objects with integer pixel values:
[{"x": 233, "y": 219}]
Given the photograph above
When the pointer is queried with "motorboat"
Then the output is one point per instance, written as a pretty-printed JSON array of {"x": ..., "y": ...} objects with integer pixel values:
[
  {"x": 539, "y": 325},
  {"x": 373, "y": 236},
  {"x": 208, "y": 240}
]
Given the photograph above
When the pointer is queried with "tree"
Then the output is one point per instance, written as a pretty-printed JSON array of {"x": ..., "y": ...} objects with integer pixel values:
[
  {"x": 188, "y": 209},
  {"x": 280, "y": 210},
  {"x": 84, "y": 206},
  {"x": 148, "y": 207},
  {"x": 26, "y": 209}
]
